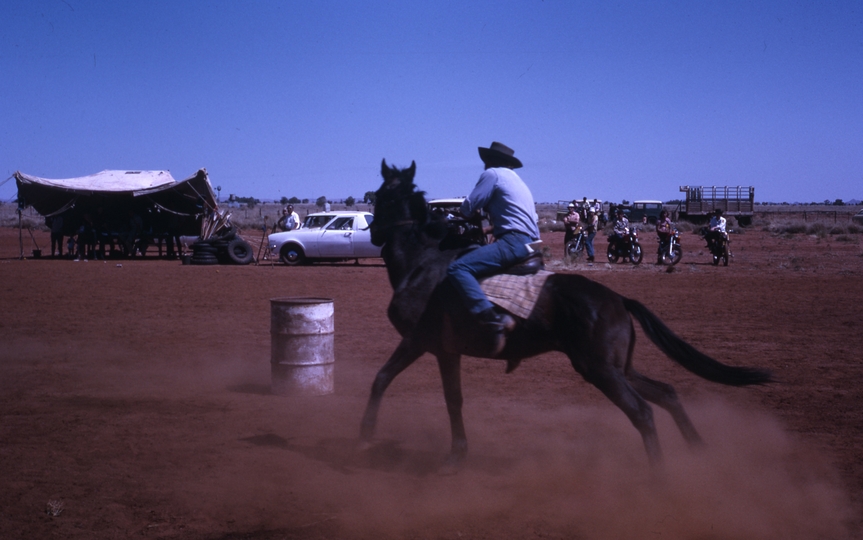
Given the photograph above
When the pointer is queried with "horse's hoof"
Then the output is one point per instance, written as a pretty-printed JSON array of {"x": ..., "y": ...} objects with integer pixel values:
[
  {"x": 508, "y": 322},
  {"x": 451, "y": 466}
]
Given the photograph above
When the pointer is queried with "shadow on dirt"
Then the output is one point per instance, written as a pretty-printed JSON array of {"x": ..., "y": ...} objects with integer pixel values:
[{"x": 345, "y": 456}]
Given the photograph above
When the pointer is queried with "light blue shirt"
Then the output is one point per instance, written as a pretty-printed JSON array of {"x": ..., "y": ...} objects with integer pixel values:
[{"x": 508, "y": 201}]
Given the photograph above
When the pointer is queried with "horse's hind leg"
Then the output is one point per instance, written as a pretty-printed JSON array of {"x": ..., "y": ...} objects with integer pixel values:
[
  {"x": 602, "y": 358},
  {"x": 405, "y": 354},
  {"x": 613, "y": 384},
  {"x": 665, "y": 396},
  {"x": 450, "y": 372}
]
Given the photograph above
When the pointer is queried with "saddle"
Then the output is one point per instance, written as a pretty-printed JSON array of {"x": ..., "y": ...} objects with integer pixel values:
[{"x": 527, "y": 267}]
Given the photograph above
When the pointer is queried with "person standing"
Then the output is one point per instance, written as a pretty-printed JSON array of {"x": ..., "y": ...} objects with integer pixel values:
[
  {"x": 290, "y": 220},
  {"x": 590, "y": 228},
  {"x": 511, "y": 209},
  {"x": 57, "y": 234}
]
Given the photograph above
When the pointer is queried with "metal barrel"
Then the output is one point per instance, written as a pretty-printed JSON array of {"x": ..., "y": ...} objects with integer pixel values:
[{"x": 302, "y": 358}]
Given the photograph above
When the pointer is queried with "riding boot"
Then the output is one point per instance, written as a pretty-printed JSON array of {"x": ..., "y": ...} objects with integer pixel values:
[{"x": 491, "y": 328}]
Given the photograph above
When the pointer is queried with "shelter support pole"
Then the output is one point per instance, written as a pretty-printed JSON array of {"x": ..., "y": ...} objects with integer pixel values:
[{"x": 20, "y": 235}]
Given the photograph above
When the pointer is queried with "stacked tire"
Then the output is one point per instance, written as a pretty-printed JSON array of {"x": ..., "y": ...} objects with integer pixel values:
[
  {"x": 204, "y": 252},
  {"x": 227, "y": 248},
  {"x": 237, "y": 251}
]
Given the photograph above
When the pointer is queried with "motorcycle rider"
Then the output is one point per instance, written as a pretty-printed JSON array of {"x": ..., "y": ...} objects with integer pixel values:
[
  {"x": 621, "y": 230},
  {"x": 572, "y": 223},
  {"x": 664, "y": 232},
  {"x": 715, "y": 230}
]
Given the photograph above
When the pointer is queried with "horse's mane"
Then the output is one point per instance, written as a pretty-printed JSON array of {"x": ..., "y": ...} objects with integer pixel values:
[
  {"x": 433, "y": 228},
  {"x": 428, "y": 224}
]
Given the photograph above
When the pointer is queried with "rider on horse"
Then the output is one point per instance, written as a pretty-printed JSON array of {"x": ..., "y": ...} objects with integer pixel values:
[{"x": 509, "y": 204}]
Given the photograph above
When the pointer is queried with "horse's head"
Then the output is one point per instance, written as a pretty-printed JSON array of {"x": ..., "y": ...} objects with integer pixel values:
[{"x": 397, "y": 203}]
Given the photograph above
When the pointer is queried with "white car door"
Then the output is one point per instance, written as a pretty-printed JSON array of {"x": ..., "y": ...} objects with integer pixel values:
[
  {"x": 337, "y": 238},
  {"x": 363, "y": 246}
]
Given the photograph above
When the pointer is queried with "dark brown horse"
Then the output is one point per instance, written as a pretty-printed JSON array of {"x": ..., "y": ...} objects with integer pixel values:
[{"x": 587, "y": 321}]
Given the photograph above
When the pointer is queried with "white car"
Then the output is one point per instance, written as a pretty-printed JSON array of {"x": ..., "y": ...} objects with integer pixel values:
[{"x": 326, "y": 236}]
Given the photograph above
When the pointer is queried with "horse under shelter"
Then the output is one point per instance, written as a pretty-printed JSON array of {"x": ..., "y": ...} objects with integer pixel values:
[{"x": 111, "y": 200}]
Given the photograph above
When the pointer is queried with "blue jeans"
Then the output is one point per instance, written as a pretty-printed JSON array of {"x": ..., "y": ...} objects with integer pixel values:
[
  {"x": 483, "y": 262},
  {"x": 588, "y": 243}
]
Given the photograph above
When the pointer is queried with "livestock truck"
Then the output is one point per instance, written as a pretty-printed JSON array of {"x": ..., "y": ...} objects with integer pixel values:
[{"x": 702, "y": 201}]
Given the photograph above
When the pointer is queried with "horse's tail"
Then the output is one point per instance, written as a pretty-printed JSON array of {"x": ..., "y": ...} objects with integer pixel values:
[{"x": 688, "y": 356}]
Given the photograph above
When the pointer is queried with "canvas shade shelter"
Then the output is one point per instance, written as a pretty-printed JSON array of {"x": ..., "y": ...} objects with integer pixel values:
[{"x": 111, "y": 197}]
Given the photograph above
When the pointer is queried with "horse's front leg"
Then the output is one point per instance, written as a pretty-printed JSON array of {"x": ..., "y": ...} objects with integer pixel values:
[
  {"x": 450, "y": 372},
  {"x": 405, "y": 354}
]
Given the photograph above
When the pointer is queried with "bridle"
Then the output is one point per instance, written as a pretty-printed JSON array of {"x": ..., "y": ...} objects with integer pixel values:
[{"x": 400, "y": 223}]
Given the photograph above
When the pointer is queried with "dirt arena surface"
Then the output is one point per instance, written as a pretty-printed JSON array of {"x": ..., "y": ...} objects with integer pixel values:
[{"x": 136, "y": 394}]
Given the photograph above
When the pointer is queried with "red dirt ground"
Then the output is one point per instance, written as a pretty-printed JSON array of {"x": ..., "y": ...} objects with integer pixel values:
[{"x": 136, "y": 393}]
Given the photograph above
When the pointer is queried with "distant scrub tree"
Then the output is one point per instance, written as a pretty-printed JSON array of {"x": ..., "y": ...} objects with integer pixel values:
[
  {"x": 369, "y": 197},
  {"x": 248, "y": 201},
  {"x": 283, "y": 200},
  {"x": 294, "y": 200},
  {"x": 350, "y": 201},
  {"x": 321, "y": 201}
]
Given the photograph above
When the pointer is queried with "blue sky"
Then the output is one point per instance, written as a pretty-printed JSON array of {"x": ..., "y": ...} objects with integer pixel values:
[{"x": 625, "y": 100}]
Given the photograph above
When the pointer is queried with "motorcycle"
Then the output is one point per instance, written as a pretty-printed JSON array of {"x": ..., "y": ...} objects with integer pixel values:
[
  {"x": 625, "y": 247},
  {"x": 670, "y": 252},
  {"x": 574, "y": 248},
  {"x": 718, "y": 247}
]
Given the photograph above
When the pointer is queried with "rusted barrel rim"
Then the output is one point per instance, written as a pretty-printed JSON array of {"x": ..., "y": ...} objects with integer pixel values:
[{"x": 300, "y": 300}]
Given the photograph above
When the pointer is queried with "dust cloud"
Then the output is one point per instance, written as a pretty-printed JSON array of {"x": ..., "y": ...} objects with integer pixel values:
[
  {"x": 573, "y": 472},
  {"x": 203, "y": 439}
]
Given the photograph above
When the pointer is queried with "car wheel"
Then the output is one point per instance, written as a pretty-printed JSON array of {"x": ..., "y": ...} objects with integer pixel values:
[{"x": 292, "y": 255}]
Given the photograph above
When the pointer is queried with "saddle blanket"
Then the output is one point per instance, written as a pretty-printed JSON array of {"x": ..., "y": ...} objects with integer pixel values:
[{"x": 516, "y": 294}]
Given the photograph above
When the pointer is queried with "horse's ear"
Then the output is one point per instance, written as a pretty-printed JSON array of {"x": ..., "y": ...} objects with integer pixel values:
[{"x": 391, "y": 179}]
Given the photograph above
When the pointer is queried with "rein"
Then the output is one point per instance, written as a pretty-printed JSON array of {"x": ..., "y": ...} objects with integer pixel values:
[{"x": 401, "y": 223}]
